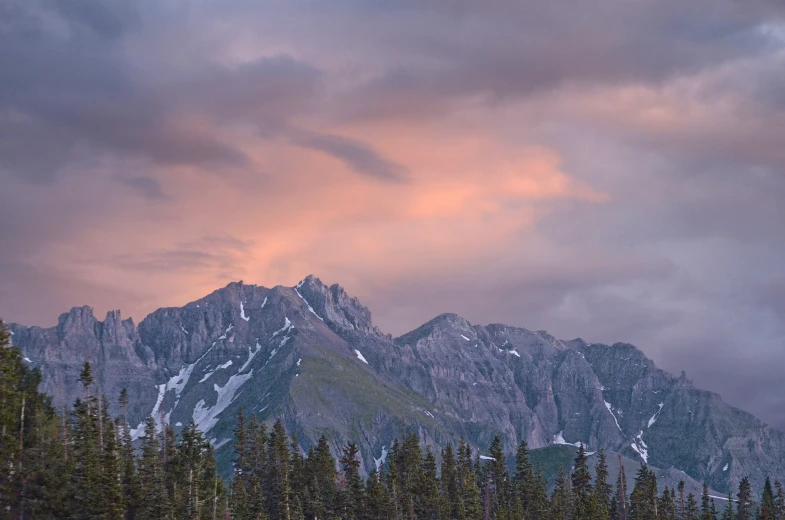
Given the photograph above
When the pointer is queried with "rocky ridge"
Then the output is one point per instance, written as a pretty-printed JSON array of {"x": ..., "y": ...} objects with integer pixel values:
[{"x": 311, "y": 355}]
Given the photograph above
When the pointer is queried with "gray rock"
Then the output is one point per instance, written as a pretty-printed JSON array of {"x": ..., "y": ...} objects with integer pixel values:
[{"x": 311, "y": 355}]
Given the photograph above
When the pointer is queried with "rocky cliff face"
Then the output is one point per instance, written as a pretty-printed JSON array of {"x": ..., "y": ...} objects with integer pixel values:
[{"x": 311, "y": 355}]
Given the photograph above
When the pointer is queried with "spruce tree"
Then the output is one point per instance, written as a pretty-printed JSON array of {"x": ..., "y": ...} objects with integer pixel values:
[
  {"x": 321, "y": 482},
  {"x": 154, "y": 503},
  {"x": 667, "y": 506},
  {"x": 428, "y": 505},
  {"x": 449, "y": 497},
  {"x": 691, "y": 511},
  {"x": 780, "y": 500},
  {"x": 127, "y": 462},
  {"x": 768, "y": 505},
  {"x": 744, "y": 504},
  {"x": 242, "y": 473},
  {"x": 111, "y": 488},
  {"x": 524, "y": 475},
  {"x": 728, "y": 513},
  {"x": 377, "y": 502},
  {"x": 561, "y": 498},
  {"x": 581, "y": 486},
  {"x": 602, "y": 490},
  {"x": 643, "y": 499},
  {"x": 622, "y": 506},
  {"x": 705, "y": 503},
  {"x": 681, "y": 501},
  {"x": 499, "y": 480},
  {"x": 353, "y": 488},
  {"x": 277, "y": 489},
  {"x": 468, "y": 480}
]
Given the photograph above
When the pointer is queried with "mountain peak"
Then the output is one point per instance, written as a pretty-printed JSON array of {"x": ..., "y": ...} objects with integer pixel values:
[
  {"x": 335, "y": 305},
  {"x": 448, "y": 321}
]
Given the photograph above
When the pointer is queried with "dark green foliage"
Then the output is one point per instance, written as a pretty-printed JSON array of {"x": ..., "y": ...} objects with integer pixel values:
[
  {"x": 768, "y": 506},
  {"x": 779, "y": 500},
  {"x": 744, "y": 503},
  {"x": 643, "y": 499}
]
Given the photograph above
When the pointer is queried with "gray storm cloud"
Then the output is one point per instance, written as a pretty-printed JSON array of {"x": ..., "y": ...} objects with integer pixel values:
[{"x": 609, "y": 170}]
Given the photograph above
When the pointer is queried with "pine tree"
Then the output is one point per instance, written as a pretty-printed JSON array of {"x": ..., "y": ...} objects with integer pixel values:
[
  {"x": 643, "y": 500},
  {"x": 86, "y": 487},
  {"x": 155, "y": 504},
  {"x": 353, "y": 488},
  {"x": 498, "y": 480},
  {"x": 538, "y": 498},
  {"x": 780, "y": 500},
  {"x": 728, "y": 513},
  {"x": 277, "y": 489},
  {"x": 744, "y": 504},
  {"x": 705, "y": 503},
  {"x": 296, "y": 478},
  {"x": 190, "y": 469},
  {"x": 429, "y": 489},
  {"x": 111, "y": 490},
  {"x": 622, "y": 506},
  {"x": 667, "y": 506},
  {"x": 561, "y": 498},
  {"x": 321, "y": 482},
  {"x": 602, "y": 490},
  {"x": 450, "y": 504},
  {"x": 242, "y": 474},
  {"x": 681, "y": 502},
  {"x": 377, "y": 501},
  {"x": 524, "y": 474},
  {"x": 691, "y": 509},
  {"x": 127, "y": 463},
  {"x": 581, "y": 486},
  {"x": 768, "y": 505},
  {"x": 468, "y": 480}
]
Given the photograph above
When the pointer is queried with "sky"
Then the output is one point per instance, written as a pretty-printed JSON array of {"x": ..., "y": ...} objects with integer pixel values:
[{"x": 607, "y": 169}]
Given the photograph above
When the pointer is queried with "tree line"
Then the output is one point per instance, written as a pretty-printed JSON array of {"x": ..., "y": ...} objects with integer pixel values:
[{"x": 79, "y": 463}]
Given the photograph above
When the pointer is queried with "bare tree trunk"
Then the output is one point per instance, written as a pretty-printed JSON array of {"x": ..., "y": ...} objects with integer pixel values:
[
  {"x": 215, "y": 496},
  {"x": 21, "y": 432},
  {"x": 65, "y": 432},
  {"x": 100, "y": 426}
]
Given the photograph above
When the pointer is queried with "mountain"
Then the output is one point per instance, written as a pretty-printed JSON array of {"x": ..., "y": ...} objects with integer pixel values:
[{"x": 311, "y": 355}]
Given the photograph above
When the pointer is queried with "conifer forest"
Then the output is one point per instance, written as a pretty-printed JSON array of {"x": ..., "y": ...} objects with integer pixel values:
[{"x": 82, "y": 464}]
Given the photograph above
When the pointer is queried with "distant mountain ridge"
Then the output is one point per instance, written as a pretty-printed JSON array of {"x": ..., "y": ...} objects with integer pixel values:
[{"x": 311, "y": 355}]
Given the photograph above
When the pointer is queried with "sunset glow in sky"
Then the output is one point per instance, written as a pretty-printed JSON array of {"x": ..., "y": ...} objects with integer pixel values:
[{"x": 612, "y": 169}]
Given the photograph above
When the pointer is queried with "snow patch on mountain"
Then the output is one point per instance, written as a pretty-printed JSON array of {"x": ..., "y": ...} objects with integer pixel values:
[
  {"x": 206, "y": 417},
  {"x": 306, "y": 303},
  {"x": 287, "y": 326},
  {"x": 610, "y": 409},
  {"x": 360, "y": 356},
  {"x": 654, "y": 417},
  {"x": 640, "y": 447},
  {"x": 559, "y": 439},
  {"x": 251, "y": 355},
  {"x": 242, "y": 313},
  {"x": 382, "y": 458}
]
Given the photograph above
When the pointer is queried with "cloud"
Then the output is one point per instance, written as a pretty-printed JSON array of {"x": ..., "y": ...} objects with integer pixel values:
[
  {"x": 355, "y": 154},
  {"x": 608, "y": 170},
  {"x": 145, "y": 186}
]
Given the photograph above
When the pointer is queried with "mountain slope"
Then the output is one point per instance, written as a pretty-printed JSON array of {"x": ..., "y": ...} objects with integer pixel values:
[{"x": 311, "y": 355}]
